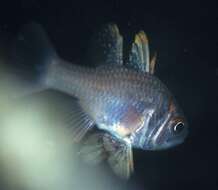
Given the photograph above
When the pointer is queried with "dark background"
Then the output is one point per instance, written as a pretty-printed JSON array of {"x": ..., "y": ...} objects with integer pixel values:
[{"x": 185, "y": 36}]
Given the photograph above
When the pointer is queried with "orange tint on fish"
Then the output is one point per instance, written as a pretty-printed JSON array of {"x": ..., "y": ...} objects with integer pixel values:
[{"x": 132, "y": 119}]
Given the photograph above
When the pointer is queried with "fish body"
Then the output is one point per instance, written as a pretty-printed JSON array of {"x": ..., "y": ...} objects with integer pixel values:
[
  {"x": 130, "y": 105},
  {"x": 121, "y": 101}
]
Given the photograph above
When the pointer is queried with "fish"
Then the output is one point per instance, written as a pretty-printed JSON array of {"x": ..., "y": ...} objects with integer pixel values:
[{"x": 127, "y": 103}]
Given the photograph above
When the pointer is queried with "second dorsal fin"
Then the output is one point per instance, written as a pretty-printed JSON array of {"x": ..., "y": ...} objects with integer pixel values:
[{"x": 139, "y": 56}]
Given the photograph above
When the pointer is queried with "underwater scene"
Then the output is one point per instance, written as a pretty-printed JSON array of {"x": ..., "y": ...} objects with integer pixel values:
[{"x": 108, "y": 95}]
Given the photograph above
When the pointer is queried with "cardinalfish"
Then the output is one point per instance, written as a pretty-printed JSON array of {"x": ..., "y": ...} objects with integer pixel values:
[{"x": 128, "y": 104}]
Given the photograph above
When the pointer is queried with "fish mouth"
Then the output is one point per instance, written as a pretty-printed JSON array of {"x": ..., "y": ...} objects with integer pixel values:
[
  {"x": 160, "y": 137},
  {"x": 171, "y": 144},
  {"x": 151, "y": 145},
  {"x": 164, "y": 138},
  {"x": 161, "y": 141},
  {"x": 161, "y": 144}
]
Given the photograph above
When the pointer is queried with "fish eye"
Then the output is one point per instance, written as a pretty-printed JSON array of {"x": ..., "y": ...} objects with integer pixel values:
[{"x": 178, "y": 128}]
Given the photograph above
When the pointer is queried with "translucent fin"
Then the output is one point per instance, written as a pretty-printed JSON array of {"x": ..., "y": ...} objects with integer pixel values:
[
  {"x": 153, "y": 63},
  {"x": 30, "y": 54},
  {"x": 78, "y": 121},
  {"x": 101, "y": 145},
  {"x": 139, "y": 55},
  {"x": 108, "y": 46},
  {"x": 92, "y": 150},
  {"x": 120, "y": 156}
]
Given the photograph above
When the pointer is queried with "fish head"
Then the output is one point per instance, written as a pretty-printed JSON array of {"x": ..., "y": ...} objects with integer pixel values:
[{"x": 163, "y": 130}]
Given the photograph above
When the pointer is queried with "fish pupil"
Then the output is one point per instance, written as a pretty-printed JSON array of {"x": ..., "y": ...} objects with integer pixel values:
[{"x": 178, "y": 128}]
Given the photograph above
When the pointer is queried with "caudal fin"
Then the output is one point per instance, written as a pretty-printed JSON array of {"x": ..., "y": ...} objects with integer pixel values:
[{"x": 31, "y": 54}]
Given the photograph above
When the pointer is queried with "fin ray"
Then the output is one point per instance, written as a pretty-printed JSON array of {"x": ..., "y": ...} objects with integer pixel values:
[
  {"x": 92, "y": 150},
  {"x": 140, "y": 56},
  {"x": 120, "y": 156},
  {"x": 153, "y": 63},
  {"x": 78, "y": 121},
  {"x": 101, "y": 146}
]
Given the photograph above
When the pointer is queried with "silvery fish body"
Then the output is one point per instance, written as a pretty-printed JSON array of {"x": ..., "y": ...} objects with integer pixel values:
[
  {"x": 121, "y": 101},
  {"x": 130, "y": 106}
]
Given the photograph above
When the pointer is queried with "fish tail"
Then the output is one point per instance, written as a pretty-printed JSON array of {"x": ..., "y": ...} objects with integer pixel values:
[{"x": 30, "y": 56}]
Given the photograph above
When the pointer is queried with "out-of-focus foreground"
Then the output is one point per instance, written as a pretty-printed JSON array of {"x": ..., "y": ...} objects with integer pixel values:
[{"x": 36, "y": 149}]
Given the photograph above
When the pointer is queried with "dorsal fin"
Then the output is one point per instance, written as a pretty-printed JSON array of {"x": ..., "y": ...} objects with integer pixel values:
[
  {"x": 139, "y": 56},
  {"x": 108, "y": 46}
]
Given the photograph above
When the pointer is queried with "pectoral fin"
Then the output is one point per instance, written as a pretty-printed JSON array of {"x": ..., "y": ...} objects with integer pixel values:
[
  {"x": 92, "y": 150},
  {"x": 120, "y": 156},
  {"x": 118, "y": 153}
]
